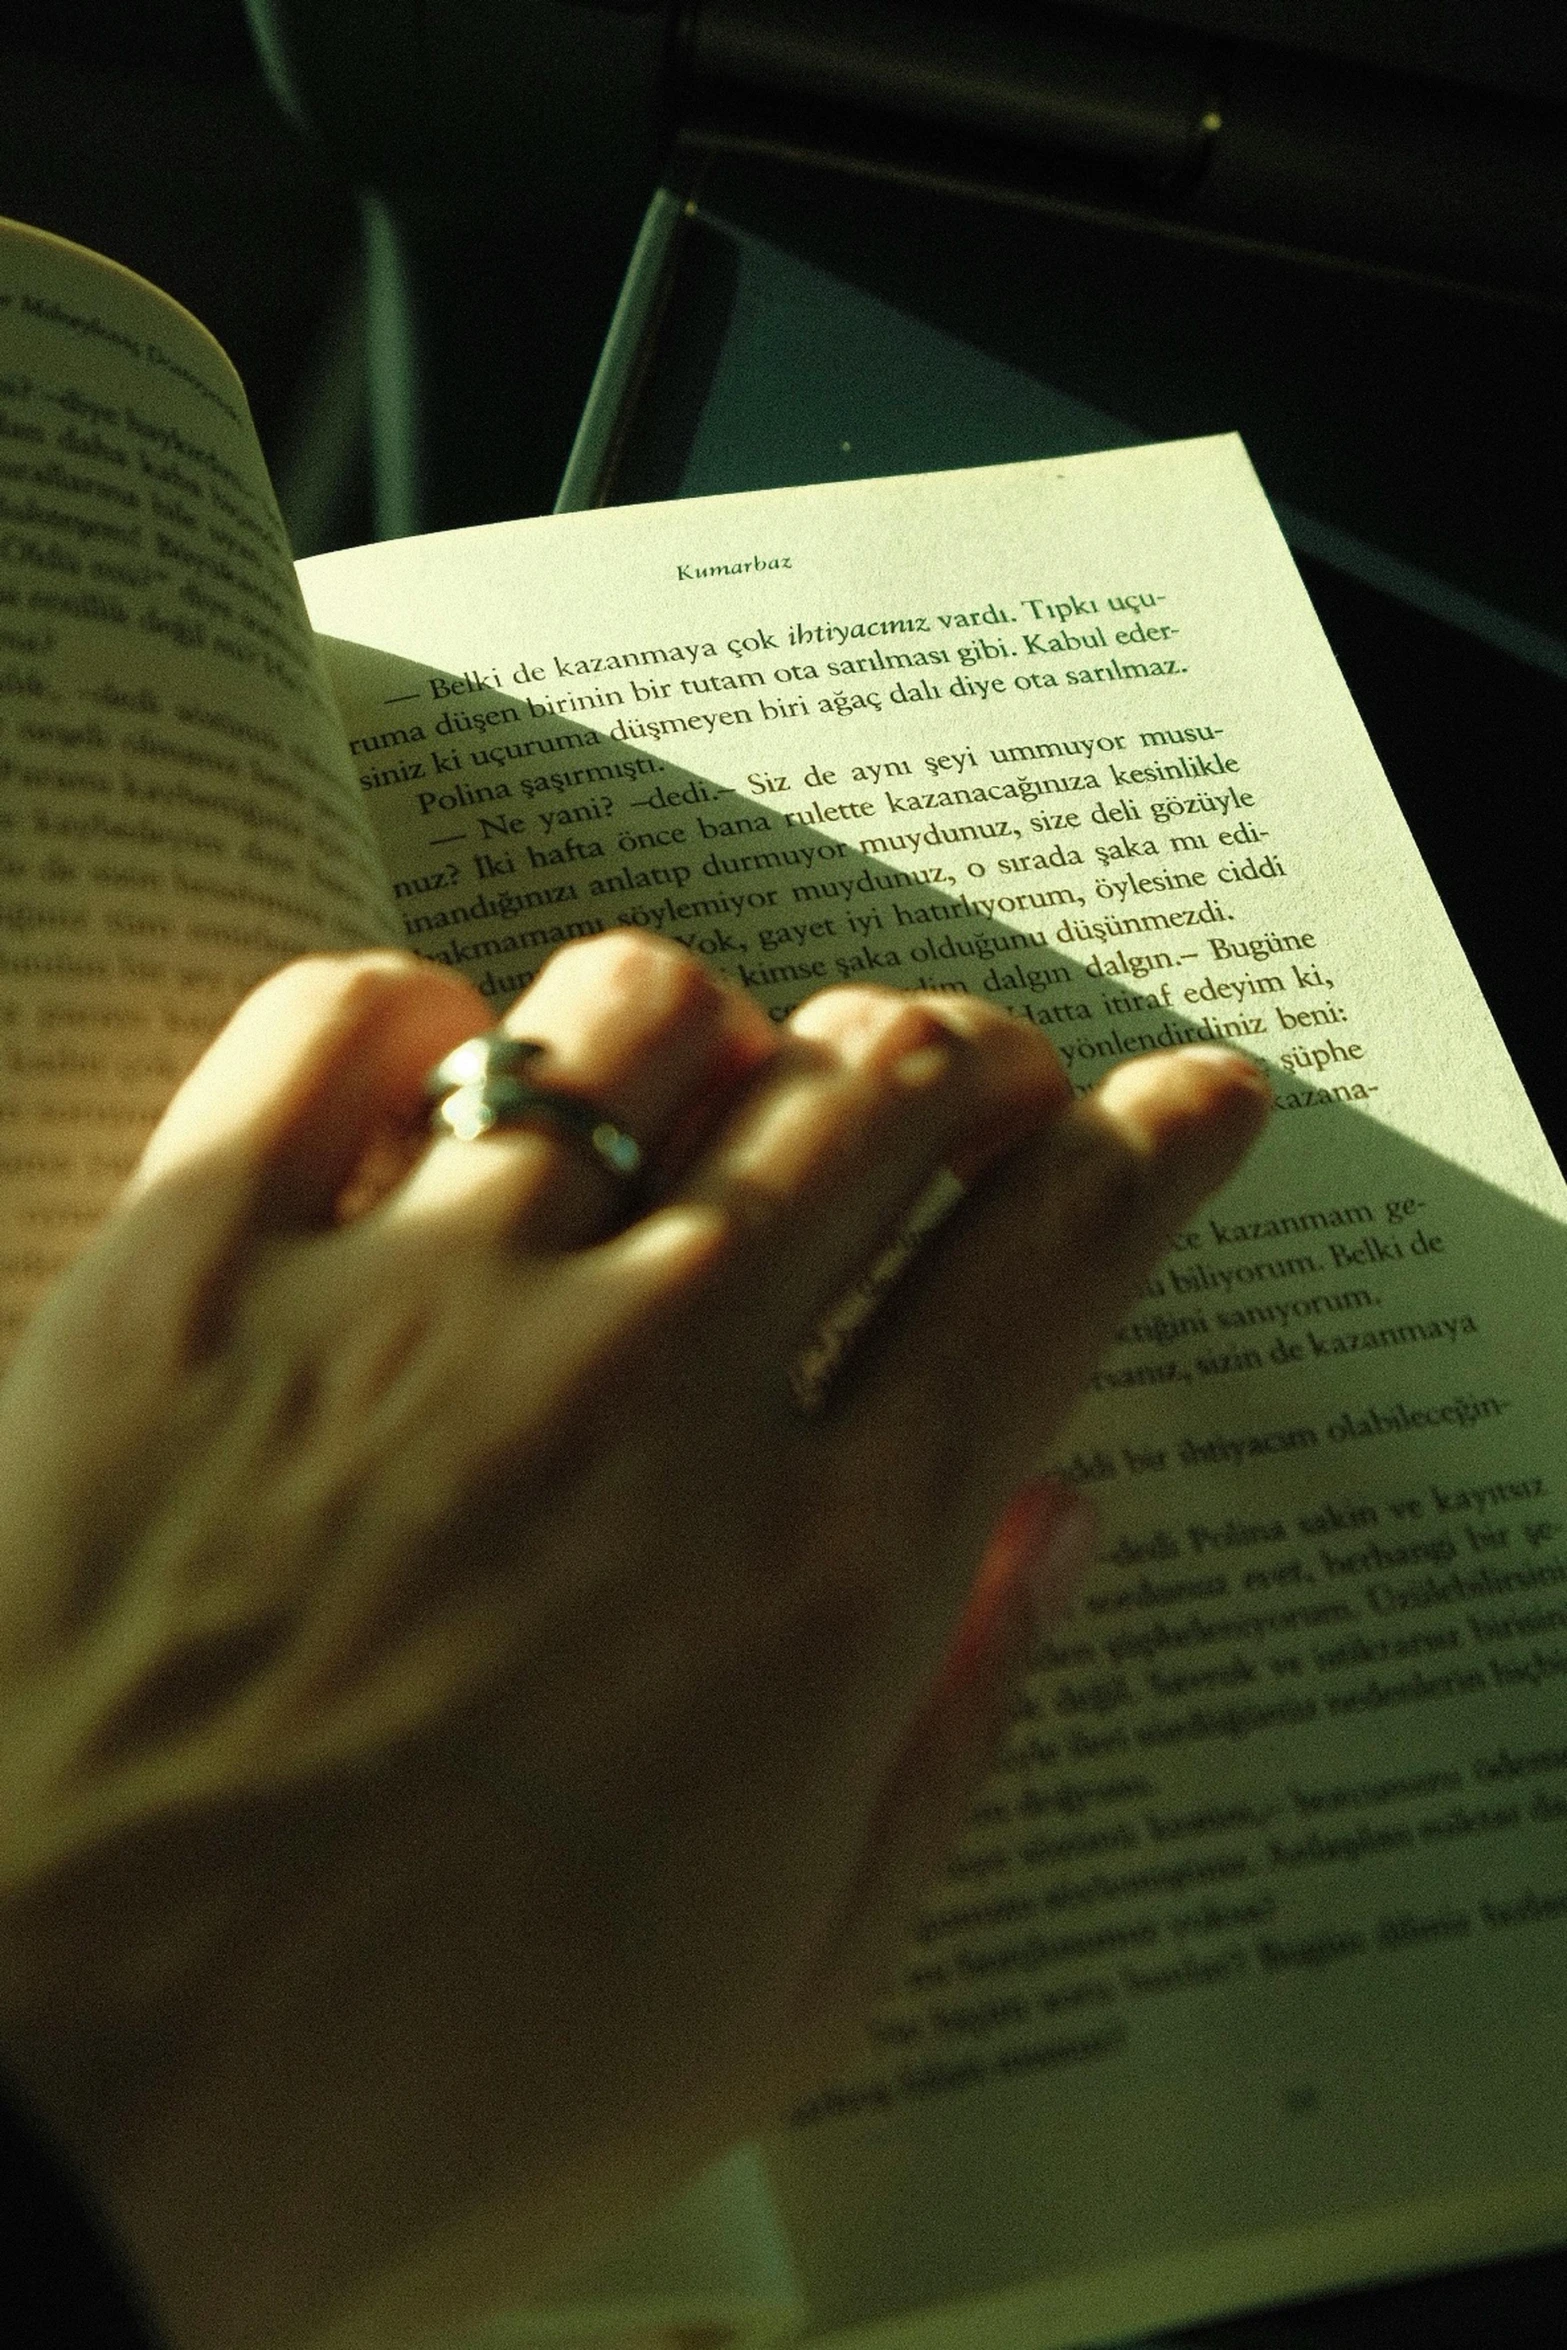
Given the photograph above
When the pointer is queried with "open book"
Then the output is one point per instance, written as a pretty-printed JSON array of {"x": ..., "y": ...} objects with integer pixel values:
[{"x": 1250, "y": 1978}]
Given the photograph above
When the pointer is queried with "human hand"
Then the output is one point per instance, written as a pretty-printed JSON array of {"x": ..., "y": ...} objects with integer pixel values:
[{"x": 472, "y": 1748}]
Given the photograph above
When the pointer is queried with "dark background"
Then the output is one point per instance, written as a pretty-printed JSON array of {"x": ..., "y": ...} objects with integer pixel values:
[{"x": 145, "y": 131}]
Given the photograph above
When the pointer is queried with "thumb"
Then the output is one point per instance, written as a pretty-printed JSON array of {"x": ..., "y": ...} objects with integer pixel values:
[{"x": 1037, "y": 1556}]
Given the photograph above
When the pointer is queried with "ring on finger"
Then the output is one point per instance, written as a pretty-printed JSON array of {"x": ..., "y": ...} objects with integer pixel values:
[
  {"x": 818, "y": 1363},
  {"x": 476, "y": 1091}
]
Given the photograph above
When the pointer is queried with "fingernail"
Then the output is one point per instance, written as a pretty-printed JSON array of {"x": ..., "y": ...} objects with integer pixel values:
[
  {"x": 919, "y": 1070},
  {"x": 1164, "y": 1096},
  {"x": 1221, "y": 1056},
  {"x": 1060, "y": 1555}
]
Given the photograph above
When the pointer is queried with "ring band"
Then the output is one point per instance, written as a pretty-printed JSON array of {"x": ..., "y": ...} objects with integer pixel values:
[
  {"x": 837, "y": 1333},
  {"x": 475, "y": 1091}
]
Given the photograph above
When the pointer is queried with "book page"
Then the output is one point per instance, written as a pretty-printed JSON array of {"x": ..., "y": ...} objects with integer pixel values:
[
  {"x": 1240, "y": 1982},
  {"x": 177, "y": 815},
  {"x": 709, "y": 2270}
]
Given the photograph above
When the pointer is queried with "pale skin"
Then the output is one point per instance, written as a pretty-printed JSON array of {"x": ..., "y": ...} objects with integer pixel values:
[{"x": 470, "y": 1748}]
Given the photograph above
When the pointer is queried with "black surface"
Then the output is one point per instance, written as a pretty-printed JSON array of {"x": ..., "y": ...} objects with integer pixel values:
[
  {"x": 1426, "y": 420},
  {"x": 1515, "y": 2305},
  {"x": 1472, "y": 745},
  {"x": 190, "y": 177},
  {"x": 64, "y": 2284}
]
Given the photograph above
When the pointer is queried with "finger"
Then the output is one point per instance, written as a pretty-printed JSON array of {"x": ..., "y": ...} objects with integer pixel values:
[
  {"x": 261, "y": 1138},
  {"x": 873, "y": 1092},
  {"x": 1021, "y": 1075},
  {"x": 648, "y": 1036},
  {"x": 278, "y": 1111},
  {"x": 1013, "y": 1308},
  {"x": 1033, "y": 1564}
]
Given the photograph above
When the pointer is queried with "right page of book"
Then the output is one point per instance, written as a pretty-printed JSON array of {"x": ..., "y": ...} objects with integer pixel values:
[{"x": 1251, "y": 1975}]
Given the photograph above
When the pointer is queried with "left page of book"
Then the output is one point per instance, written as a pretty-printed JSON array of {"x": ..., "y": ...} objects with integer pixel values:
[{"x": 178, "y": 814}]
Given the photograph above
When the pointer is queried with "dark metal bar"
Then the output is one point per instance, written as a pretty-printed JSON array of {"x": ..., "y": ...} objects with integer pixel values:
[{"x": 1046, "y": 78}]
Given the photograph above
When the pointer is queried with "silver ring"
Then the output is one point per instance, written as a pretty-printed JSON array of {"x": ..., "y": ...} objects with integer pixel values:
[{"x": 476, "y": 1091}]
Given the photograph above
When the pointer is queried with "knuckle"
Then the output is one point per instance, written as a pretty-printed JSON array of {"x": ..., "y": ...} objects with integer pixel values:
[
  {"x": 691, "y": 990},
  {"x": 1041, "y": 1065},
  {"x": 655, "y": 974},
  {"x": 365, "y": 967},
  {"x": 364, "y": 981},
  {"x": 1018, "y": 1050},
  {"x": 338, "y": 987},
  {"x": 966, "y": 1016},
  {"x": 872, "y": 1025},
  {"x": 832, "y": 1008},
  {"x": 910, "y": 1025}
]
